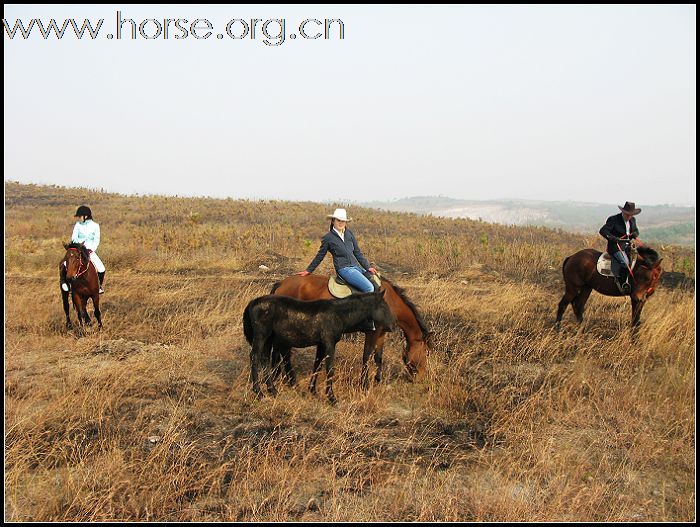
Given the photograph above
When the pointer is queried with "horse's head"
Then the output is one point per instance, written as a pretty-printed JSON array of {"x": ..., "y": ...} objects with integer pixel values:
[
  {"x": 647, "y": 273},
  {"x": 75, "y": 260},
  {"x": 416, "y": 358},
  {"x": 381, "y": 313}
]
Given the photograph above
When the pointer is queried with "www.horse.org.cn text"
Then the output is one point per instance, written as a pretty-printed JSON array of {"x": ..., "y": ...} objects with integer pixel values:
[{"x": 271, "y": 31}]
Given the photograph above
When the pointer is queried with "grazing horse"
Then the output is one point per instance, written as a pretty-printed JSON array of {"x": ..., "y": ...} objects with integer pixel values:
[
  {"x": 287, "y": 322},
  {"x": 78, "y": 271},
  {"x": 581, "y": 277},
  {"x": 418, "y": 338}
]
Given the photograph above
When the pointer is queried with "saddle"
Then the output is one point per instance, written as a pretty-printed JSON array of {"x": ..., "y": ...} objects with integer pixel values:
[
  {"x": 605, "y": 263},
  {"x": 339, "y": 288}
]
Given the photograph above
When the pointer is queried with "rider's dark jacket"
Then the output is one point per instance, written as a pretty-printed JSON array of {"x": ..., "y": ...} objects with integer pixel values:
[
  {"x": 345, "y": 253},
  {"x": 615, "y": 228}
]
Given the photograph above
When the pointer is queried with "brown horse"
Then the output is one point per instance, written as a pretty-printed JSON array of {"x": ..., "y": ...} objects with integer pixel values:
[
  {"x": 581, "y": 277},
  {"x": 415, "y": 356},
  {"x": 79, "y": 272}
]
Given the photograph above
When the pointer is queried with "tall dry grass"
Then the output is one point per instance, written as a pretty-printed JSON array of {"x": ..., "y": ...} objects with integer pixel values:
[{"x": 153, "y": 418}]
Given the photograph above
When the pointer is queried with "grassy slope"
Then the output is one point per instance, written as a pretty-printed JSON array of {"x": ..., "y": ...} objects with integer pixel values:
[{"x": 152, "y": 419}]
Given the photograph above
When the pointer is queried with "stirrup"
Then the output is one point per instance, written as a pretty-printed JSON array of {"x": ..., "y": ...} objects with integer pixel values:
[{"x": 623, "y": 287}]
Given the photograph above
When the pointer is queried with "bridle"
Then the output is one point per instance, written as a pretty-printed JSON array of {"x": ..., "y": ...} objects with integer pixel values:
[{"x": 80, "y": 265}]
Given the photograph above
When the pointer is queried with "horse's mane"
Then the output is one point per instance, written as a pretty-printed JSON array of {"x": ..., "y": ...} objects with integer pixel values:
[
  {"x": 649, "y": 255},
  {"x": 81, "y": 248},
  {"x": 402, "y": 295}
]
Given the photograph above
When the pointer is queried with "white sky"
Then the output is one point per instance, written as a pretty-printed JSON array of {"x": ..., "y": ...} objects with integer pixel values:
[{"x": 584, "y": 103}]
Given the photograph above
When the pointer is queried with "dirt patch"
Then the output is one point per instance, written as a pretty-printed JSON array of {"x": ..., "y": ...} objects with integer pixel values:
[{"x": 121, "y": 349}]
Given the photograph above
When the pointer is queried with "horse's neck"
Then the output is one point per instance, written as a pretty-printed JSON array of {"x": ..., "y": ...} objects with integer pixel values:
[
  {"x": 406, "y": 319},
  {"x": 353, "y": 311}
]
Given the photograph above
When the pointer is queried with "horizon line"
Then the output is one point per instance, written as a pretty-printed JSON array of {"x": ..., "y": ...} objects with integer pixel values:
[{"x": 337, "y": 200}]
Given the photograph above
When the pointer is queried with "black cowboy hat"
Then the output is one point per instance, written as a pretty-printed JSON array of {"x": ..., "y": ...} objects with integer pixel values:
[
  {"x": 83, "y": 210},
  {"x": 629, "y": 208}
]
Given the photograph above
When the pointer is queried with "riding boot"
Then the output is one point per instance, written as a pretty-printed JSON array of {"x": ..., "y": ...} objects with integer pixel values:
[{"x": 101, "y": 277}]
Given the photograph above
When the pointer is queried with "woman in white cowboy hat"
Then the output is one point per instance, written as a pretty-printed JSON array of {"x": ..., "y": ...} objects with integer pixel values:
[
  {"x": 348, "y": 260},
  {"x": 620, "y": 230}
]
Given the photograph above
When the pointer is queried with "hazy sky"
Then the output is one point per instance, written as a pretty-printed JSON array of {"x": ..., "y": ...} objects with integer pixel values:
[{"x": 585, "y": 103}]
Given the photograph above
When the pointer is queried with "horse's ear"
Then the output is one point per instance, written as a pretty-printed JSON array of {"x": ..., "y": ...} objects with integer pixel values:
[{"x": 658, "y": 263}]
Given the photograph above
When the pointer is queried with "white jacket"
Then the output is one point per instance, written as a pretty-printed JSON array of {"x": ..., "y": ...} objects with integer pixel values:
[{"x": 87, "y": 233}]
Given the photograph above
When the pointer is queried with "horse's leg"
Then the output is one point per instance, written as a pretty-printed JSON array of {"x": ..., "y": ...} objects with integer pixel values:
[
  {"x": 317, "y": 367},
  {"x": 66, "y": 308},
  {"x": 329, "y": 348},
  {"x": 96, "y": 305},
  {"x": 378, "y": 355},
  {"x": 271, "y": 352},
  {"x": 580, "y": 303},
  {"x": 86, "y": 317},
  {"x": 79, "y": 305},
  {"x": 290, "y": 375},
  {"x": 270, "y": 382},
  {"x": 370, "y": 343},
  {"x": 569, "y": 295},
  {"x": 637, "y": 306},
  {"x": 255, "y": 354}
]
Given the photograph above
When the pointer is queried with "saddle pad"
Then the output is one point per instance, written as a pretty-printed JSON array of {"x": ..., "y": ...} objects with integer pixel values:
[
  {"x": 604, "y": 264},
  {"x": 343, "y": 290}
]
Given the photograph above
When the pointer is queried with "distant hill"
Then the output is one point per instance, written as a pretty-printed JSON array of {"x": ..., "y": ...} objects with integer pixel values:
[{"x": 666, "y": 224}]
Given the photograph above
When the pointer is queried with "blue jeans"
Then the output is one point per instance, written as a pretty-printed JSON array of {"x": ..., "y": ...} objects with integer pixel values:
[
  {"x": 622, "y": 261},
  {"x": 355, "y": 277}
]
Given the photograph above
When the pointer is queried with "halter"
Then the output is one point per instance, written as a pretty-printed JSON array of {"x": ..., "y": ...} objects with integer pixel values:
[{"x": 80, "y": 259}]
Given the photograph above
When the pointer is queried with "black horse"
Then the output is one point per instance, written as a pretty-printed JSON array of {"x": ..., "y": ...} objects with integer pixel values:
[{"x": 286, "y": 322}]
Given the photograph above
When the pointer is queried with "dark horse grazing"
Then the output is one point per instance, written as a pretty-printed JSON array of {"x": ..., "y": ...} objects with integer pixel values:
[
  {"x": 415, "y": 356},
  {"x": 287, "y": 322},
  {"x": 581, "y": 277},
  {"x": 80, "y": 273}
]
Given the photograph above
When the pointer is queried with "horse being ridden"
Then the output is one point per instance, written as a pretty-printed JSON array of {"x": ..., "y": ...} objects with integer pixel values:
[
  {"x": 581, "y": 277},
  {"x": 77, "y": 269},
  {"x": 287, "y": 322}
]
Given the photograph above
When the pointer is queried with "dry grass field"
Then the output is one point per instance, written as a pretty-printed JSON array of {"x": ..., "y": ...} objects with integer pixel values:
[{"x": 153, "y": 419}]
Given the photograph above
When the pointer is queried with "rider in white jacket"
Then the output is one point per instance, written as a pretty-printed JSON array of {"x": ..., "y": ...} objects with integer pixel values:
[{"x": 87, "y": 232}]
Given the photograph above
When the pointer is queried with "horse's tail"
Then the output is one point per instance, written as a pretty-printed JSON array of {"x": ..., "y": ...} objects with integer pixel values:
[
  {"x": 247, "y": 325},
  {"x": 275, "y": 287},
  {"x": 564, "y": 264}
]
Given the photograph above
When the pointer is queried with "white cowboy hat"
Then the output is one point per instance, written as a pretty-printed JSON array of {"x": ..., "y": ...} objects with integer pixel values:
[{"x": 339, "y": 214}]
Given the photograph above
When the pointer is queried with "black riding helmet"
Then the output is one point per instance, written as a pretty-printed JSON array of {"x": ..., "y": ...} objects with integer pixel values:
[{"x": 84, "y": 210}]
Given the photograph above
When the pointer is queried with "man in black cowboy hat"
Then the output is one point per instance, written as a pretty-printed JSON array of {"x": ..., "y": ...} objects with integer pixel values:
[{"x": 620, "y": 230}]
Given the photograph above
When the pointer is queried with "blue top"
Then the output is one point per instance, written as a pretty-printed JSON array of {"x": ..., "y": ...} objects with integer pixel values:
[{"x": 88, "y": 233}]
